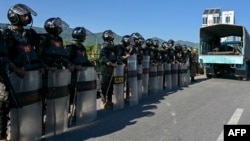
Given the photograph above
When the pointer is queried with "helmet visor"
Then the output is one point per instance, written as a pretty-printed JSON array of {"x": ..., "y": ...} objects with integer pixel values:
[
  {"x": 22, "y": 9},
  {"x": 58, "y": 22}
]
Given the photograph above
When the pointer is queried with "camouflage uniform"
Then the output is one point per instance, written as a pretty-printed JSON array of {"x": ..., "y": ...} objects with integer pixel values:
[
  {"x": 3, "y": 93},
  {"x": 193, "y": 64}
]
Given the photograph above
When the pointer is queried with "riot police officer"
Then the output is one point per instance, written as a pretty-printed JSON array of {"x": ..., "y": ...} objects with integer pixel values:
[
  {"x": 25, "y": 63},
  {"x": 124, "y": 49},
  {"x": 137, "y": 46},
  {"x": 108, "y": 58},
  {"x": 78, "y": 57},
  {"x": 171, "y": 51},
  {"x": 57, "y": 76},
  {"x": 178, "y": 54},
  {"x": 51, "y": 48},
  {"x": 147, "y": 47},
  {"x": 164, "y": 52},
  {"x": 157, "y": 54},
  {"x": 123, "y": 52},
  {"x": 150, "y": 50}
]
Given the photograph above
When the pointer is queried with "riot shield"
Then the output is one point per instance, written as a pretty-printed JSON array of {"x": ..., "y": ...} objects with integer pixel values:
[
  {"x": 160, "y": 76},
  {"x": 132, "y": 81},
  {"x": 185, "y": 79},
  {"x": 145, "y": 76},
  {"x": 168, "y": 76},
  {"x": 139, "y": 81},
  {"x": 174, "y": 71},
  {"x": 118, "y": 97},
  {"x": 86, "y": 110},
  {"x": 153, "y": 82},
  {"x": 57, "y": 102},
  {"x": 27, "y": 92},
  {"x": 181, "y": 72}
]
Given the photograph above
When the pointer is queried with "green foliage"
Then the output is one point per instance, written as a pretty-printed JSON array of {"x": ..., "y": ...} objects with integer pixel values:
[{"x": 93, "y": 52}]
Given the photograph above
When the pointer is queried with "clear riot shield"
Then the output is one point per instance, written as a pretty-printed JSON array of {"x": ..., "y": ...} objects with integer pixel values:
[
  {"x": 153, "y": 82},
  {"x": 174, "y": 71},
  {"x": 86, "y": 110},
  {"x": 139, "y": 81},
  {"x": 145, "y": 75},
  {"x": 24, "y": 123},
  {"x": 118, "y": 97},
  {"x": 168, "y": 76},
  {"x": 160, "y": 76},
  {"x": 185, "y": 83},
  {"x": 181, "y": 72},
  {"x": 132, "y": 81},
  {"x": 57, "y": 102}
]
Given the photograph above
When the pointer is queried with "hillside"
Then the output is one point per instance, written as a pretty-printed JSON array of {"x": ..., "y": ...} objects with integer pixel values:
[{"x": 96, "y": 38}]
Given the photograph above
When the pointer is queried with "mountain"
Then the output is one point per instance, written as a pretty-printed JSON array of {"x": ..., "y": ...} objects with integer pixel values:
[{"x": 96, "y": 38}]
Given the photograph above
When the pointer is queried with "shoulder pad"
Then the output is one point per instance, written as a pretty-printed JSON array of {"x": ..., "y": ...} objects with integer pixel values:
[{"x": 6, "y": 33}]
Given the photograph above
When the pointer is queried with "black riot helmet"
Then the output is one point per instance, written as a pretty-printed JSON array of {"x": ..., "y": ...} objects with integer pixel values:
[
  {"x": 136, "y": 36},
  {"x": 79, "y": 34},
  {"x": 18, "y": 10},
  {"x": 125, "y": 40},
  {"x": 156, "y": 43},
  {"x": 136, "y": 39},
  {"x": 149, "y": 42},
  {"x": 55, "y": 25},
  {"x": 108, "y": 35},
  {"x": 164, "y": 45},
  {"x": 170, "y": 42}
]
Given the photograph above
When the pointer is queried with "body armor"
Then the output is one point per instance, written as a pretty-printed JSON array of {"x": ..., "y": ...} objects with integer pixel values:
[
  {"x": 108, "y": 53},
  {"x": 54, "y": 54},
  {"x": 78, "y": 55},
  {"x": 22, "y": 48}
]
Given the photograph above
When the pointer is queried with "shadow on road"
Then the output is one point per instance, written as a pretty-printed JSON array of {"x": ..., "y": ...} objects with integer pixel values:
[{"x": 110, "y": 121}]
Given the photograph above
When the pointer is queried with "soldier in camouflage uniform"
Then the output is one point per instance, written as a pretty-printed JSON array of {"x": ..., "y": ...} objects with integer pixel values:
[
  {"x": 193, "y": 64},
  {"x": 3, "y": 91},
  {"x": 108, "y": 58}
]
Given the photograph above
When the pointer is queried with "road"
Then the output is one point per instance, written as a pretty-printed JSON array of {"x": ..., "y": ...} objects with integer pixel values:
[{"x": 194, "y": 113}]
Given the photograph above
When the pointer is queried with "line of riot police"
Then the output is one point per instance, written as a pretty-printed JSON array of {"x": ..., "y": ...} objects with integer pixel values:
[
  {"x": 135, "y": 45},
  {"x": 46, "y": 85},
  {"x": 39, "y": 76}
]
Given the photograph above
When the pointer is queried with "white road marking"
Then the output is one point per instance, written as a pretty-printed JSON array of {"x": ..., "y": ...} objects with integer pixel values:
[{"x": 233, "y": 121}]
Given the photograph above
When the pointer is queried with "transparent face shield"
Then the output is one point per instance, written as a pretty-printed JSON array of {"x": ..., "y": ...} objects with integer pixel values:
[
  {"x": 58, "y": 22},
  {"x": 22, "y": 9}
]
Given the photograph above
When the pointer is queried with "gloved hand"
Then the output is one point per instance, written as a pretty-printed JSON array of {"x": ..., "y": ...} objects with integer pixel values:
[
  {"x": 20, "y": 72},
  {"x": 78, "y": 67}
]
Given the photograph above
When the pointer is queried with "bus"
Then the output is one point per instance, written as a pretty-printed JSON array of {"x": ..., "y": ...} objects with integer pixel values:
[{"x": 225, "y": 50}]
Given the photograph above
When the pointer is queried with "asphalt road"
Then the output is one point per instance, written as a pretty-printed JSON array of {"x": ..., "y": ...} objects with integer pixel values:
[{"x": 194, "y": 113}]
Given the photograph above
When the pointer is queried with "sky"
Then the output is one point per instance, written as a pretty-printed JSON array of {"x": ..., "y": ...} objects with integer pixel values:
[{"x": 165, "y": 19}]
